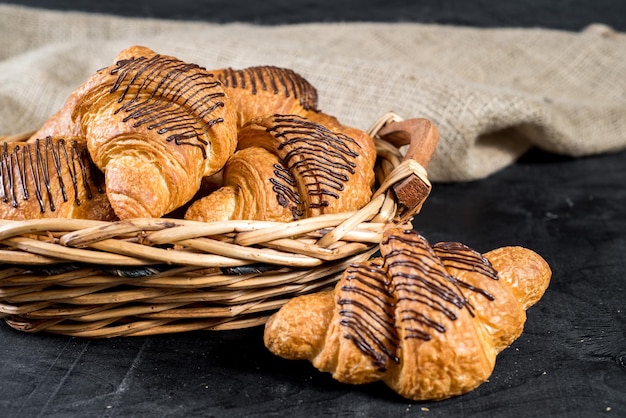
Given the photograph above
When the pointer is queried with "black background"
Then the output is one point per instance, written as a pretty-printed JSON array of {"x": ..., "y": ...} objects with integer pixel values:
[
  {"x": 570, "y": 361},
  {"x": 557, "y": 14}
]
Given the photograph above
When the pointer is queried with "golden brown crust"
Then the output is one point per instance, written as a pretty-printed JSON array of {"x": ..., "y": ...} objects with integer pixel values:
[
  {"x": 249, "y": 191},
  {"x": 267, "y": 90},
  {"x": 219, "y": 205},
  {"x": 527, "y": 273},
  {"x": 51, "y": 178},
  {"x": 425, "y": 320},
  {"x": 500, "y": 312},
  {"x": 299, "y": 331},
  {"x": 155, "y": 125},
  {"x": 367, "y": 153},
  {"x": 359, "y": 327}
]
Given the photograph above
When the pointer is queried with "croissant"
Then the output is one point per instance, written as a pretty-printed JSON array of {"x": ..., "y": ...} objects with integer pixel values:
[
  {"x": 250, "y": 191},
  {"x": 426, "y": 320},
  {"x": 266, "y": 90},
  {"x": 51, "y": 178},
  {"x": 288, "y": 167},
  {"x": 154, "y": 125}
]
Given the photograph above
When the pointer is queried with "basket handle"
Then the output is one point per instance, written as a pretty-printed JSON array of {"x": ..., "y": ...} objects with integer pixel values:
[
  {"x": 420, "y": 134},
  {"x": 422, "y": 137}
]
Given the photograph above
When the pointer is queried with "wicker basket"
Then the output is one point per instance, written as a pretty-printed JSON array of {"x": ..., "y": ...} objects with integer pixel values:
[{"x": 151, "y": 276}]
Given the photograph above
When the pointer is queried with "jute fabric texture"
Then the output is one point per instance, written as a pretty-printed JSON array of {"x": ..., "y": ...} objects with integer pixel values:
[{"x": 493, "y": 93}]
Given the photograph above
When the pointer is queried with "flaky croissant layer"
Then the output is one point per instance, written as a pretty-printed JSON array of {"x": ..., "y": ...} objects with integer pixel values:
[{"x": 427, "y": 320}]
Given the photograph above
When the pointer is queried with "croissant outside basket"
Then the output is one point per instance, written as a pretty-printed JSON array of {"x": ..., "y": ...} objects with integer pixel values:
[{"x": 150, "y": 276}]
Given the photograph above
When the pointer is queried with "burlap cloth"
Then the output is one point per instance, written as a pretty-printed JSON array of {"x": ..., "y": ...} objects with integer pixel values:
[{"x": 493, "y": 93}]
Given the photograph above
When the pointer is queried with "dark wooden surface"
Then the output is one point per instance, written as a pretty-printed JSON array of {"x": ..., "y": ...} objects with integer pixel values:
[{"x": 569, "y": 362}]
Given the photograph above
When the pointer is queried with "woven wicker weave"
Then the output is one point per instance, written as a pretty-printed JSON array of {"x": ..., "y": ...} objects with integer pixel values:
[{"x": 151, "y": 276}]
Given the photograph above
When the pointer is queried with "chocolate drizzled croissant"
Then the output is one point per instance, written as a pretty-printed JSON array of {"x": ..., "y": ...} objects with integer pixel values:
[
  {"x": 427, "y": 320},
  {"x": 155, "y": 125},
  {"x": 289, "y": 167},
  {"x": 50, "y": 178},
  {"x": 266, "y": 90}
]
